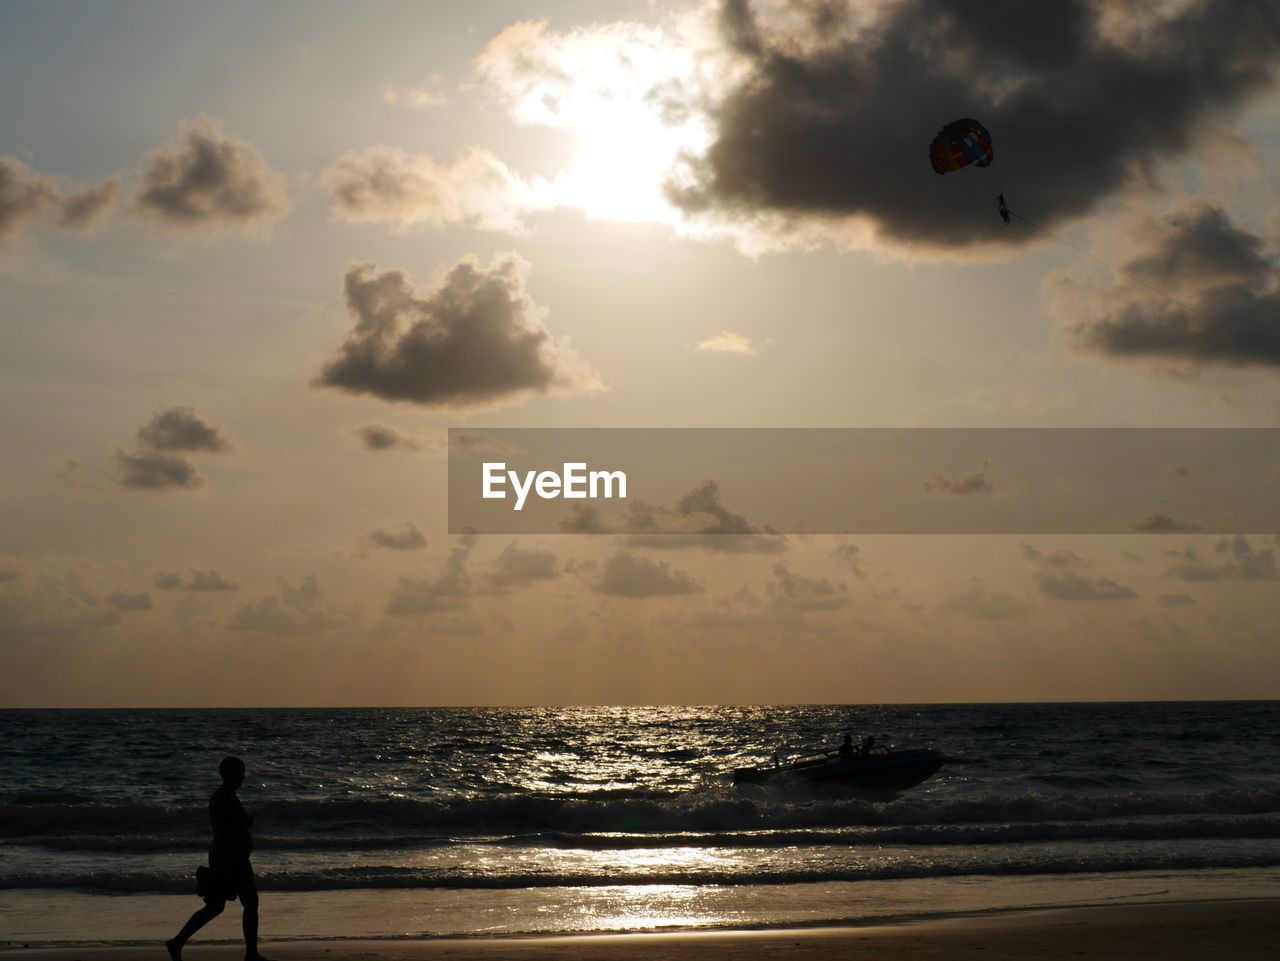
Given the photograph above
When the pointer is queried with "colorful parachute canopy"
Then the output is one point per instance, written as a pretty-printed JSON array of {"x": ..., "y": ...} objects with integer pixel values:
[{"x": 958, "y": 144}]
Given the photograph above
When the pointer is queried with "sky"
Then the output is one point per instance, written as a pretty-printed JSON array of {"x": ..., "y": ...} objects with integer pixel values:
[{"x": 255, "y": 260}]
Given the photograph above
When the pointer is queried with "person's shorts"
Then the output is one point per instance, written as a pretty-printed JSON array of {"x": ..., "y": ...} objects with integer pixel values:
[{"x": 227, "y": 882}]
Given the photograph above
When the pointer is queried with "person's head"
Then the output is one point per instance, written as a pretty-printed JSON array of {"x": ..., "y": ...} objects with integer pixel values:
[
  {"x": 232, "y": 771},
  {"x": 848, "y": 739}
]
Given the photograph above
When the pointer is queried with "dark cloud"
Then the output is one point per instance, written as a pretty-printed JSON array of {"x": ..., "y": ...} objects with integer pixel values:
[
  {"x": 1070, "y": 586},
  {"x": 409, "y": 539},
  {"x": 166, "y": 582},
  {"x": 291, "y": 610},
  {"x": 209, "y": 580},
  {"x": 205, "y": 180},
  {"x": 178, "y": 428},
  {"x": 849, "y": 557},
  {"x": 977, "y": 602},
  {"x": 381, "y": 437},
  {"x": 1158, "y": 522},
  {"x": 799, "y": 593},
  {"x": 1211, "y": 295},
  {"x": 517, "y": 567},
  {"x": 90, "y": 209},
  {"x": 627, "y": 575},
  {"x": 151, "y": 470},
  {"x": 977, "y": 483},
  {"x": 1060, "y": 579},
  {"x": 448, "y": 590},
  {"x": 1233, "y": 558},
  {"x": 700, "y": 520},
  {"x": 25, "y": 197},
  {"x": 474, "y": 340},
  {"x": 582, "y": 519},
  {"x": 122, "y": 601},
  {"x": 832, "y": 115},
  {"x": 1053, "y": 559}
]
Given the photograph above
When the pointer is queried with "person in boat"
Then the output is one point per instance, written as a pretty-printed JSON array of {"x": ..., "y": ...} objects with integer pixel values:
[
  {"x": 847, "y": 749},
  {"x": 868, "y": 743}
]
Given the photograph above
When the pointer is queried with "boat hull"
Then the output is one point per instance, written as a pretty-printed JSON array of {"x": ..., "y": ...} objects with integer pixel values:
[{"x": 895, "y": 771}]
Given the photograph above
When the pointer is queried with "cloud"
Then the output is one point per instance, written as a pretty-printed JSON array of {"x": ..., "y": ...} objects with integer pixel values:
[
  {"x": 207, "y": 580},
  {"x": 977, "y": 602},
  {"x": 409, "y": 539},
  {"x": 516, "y": 567},
  {"x": 381, "y": 437},
  {"x": 205, "y": 181},
  {"x": 424, "y": 94},
  {"x": 848, "y": 556},
  {"x": 29, "y": 198},
  {"x": 581, "y": 519},
  {"x": 26, "y": 197},
  {"x": 447, "y": 590},
  {"x": 1233, "y": 558},
  {"x": 150, "y": 470},
  {"x": 51, "y": 607},
  {"x": 728, "y": 342},
  {"x": 799, "y": 593},
  {"x": 1175, "y": 600},
  {"x": 474, "y": 340},
  {"x": 479, "y": 442},
  {"x": 1070, "y": 586},
  {"x": 977, "y": 483},
  {"x": 1158, "y": 522},
  {"x": 178, "y": 428},
  {"x": 90, "y": 209},
  {"x": 1060, "y": 580},
  {"x": 832, "y": 107},
  {"x": 700, "y": 520},
  {"x": 122, "y": 601},
  {"x": 627, "y": 575},
  {"x": 1053, "y": 559},
  {"x": 385, "y": 185},
  {"x": 291, "y": 610},
  {"x": 1203, "y": 290}
]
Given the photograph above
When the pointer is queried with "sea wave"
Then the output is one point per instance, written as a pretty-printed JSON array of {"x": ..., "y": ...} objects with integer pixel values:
[
  {"x": 716, "y": 811},
  {"x": 389, "y": 877}
]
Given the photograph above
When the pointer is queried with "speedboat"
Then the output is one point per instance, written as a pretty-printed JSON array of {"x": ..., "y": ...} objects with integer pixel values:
[{"x": 883, "y": 770}]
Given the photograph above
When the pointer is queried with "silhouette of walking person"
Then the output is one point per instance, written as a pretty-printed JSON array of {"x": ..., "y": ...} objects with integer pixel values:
[{"x": 230, "y": 875}]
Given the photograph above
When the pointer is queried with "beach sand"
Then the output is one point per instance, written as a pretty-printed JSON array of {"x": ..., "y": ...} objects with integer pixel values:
[{"x": 1239, "y": 930}]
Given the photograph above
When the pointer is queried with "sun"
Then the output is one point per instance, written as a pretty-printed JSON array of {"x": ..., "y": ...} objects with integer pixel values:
[
  {"x": 624, "y": 156},
  {"x": 624, "y": 93}
]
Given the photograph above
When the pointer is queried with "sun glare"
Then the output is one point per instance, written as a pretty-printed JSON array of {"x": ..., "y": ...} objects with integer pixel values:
[
  {"x": 623, "y": 159},
  {"x": 624, "y": 92}
]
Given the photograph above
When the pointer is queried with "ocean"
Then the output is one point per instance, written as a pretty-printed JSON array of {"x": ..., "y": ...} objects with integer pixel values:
[{"x": 468, "y": 821}]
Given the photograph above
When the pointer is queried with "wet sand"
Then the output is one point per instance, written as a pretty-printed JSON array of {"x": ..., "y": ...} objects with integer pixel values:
[{"x": 1236, "y": 930}]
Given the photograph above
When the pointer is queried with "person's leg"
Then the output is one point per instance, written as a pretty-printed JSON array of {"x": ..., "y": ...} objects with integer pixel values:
[
  {"x": 248, "y": 887},
  {"x": 197, "y": 921}
]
